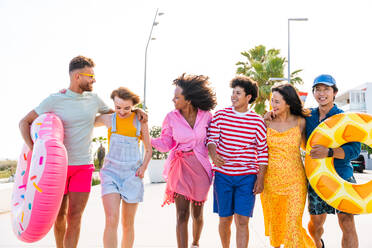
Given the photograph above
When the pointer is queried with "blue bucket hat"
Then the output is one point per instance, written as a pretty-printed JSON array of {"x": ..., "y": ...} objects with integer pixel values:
[{"x": 324, "y": 79}]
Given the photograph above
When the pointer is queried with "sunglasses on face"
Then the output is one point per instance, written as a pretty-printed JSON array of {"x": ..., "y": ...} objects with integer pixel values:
[{"x": 88, "y": 75}]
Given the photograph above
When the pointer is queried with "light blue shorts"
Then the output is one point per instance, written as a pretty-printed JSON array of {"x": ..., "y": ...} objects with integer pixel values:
[{"x": 122, "y": 180}]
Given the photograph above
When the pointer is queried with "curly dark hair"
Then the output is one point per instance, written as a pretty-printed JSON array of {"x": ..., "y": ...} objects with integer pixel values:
[
  {"x": 196, "y": 90},
  {"x": 125, "y": 94},
  {"x": 291, "y": 97},
  {"x": 79, "y": 62},
  {"x": 248, "y": 84}
]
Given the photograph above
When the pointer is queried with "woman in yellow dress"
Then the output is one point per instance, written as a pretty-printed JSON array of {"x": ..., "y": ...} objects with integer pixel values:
[{"x": 285, "y": 187}]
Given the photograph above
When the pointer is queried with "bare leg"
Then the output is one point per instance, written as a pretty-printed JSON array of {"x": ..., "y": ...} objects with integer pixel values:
[
  {"x": 349, "y": 234},
  {"x": 76, "y": 205},
  {"x": 60, "y": 223},
  {"x": 316, "y": 228},
  {"x": 183, "y": 214},
  {"x": 197, "y": 223},
  {"x": 111, "y": 204},
  {"x": 128, "y": 212},
  {"x": 225, "y": 230},
  {"x": 242, "y": 231}
]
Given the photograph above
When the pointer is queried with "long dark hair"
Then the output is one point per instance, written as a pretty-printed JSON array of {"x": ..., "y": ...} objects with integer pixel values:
[{"x": 291, "y": 97}]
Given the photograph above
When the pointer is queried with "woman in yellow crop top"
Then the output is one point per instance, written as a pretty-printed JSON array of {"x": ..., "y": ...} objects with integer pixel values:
[{"x": 123, "y": 168}]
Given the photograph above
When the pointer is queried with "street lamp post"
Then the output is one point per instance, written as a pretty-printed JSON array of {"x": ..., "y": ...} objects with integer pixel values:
[
  {"x": 154, "y": 23},
  {"x": 289, "y": 64},
  {"x": 288, "y": 78}
]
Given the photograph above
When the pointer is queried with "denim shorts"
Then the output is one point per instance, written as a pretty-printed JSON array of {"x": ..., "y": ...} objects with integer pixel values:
[
  {"x": 120, "y": 180},
  {"x": 118, "y": 174},
  {"x": 318, "y": 206},
  {"x": 234, "y": 194}
]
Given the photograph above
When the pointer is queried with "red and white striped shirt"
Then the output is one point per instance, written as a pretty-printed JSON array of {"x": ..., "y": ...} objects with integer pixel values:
[{"x": 240, "y": 139}]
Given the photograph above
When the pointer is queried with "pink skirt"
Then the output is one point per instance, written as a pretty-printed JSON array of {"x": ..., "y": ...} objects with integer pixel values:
[{"x": 187, "y": 178}]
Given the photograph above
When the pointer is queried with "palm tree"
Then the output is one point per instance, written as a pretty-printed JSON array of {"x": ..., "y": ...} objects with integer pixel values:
[{"x": 262, "y": 65}]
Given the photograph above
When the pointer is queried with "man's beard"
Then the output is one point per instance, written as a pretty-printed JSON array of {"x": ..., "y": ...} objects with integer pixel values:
[{"x": 86, "y": 87}]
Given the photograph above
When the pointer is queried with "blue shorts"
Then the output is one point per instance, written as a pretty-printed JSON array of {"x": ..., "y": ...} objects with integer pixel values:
[
  {"x": 318, "y": 206},
  {"x": 234, "y": 194}
]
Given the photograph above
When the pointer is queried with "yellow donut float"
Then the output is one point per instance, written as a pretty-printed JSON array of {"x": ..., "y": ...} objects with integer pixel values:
[{"x": 334, "y": 132}]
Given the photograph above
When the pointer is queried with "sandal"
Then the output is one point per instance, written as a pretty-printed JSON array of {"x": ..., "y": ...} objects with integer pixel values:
[{"x": 321, "y": 240}]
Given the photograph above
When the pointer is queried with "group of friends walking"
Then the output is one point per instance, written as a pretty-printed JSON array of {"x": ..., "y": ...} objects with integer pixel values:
[{"x": 250, "y": 155}]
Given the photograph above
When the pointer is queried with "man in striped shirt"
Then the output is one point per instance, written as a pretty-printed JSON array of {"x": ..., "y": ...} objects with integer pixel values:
[{"x": 237, "y": 146}]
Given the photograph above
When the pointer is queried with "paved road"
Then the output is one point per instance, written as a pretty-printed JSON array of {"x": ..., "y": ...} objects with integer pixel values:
[{"x": 155, "y": 226}]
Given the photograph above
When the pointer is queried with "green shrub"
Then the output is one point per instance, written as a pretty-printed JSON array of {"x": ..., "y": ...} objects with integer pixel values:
[
  {"x": 7, "y": 168},
  {"x": 95, "y": 181},
  {"x": 366, "y": 148},
  {"x": 96, "y": 164},
  {"x": 5, "y": 174},
  {"x": 5, "y": 164},
  {"x": 155, "y": 132}
]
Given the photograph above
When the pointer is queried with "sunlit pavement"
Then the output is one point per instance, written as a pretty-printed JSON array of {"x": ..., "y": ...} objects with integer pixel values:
[{"x": 155, "y": 225}]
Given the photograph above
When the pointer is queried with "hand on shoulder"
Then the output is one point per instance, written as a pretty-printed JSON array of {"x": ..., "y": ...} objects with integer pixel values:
[
  {"x": 141, "y": 115},
  {"x": 269, "y": 117}
]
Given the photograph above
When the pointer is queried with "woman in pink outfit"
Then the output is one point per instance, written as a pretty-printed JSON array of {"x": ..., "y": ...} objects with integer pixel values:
[{"x": 187, "y": 169}]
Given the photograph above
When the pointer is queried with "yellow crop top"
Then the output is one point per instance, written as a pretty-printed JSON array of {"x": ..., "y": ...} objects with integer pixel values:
[{"x": 124, "y": 126}]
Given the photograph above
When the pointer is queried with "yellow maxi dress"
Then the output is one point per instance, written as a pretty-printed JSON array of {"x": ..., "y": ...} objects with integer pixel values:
[{"x": 285, "y": 188}]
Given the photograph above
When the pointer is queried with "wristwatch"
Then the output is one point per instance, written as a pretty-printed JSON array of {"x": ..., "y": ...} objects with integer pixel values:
[{"x": 330, "y": 152}]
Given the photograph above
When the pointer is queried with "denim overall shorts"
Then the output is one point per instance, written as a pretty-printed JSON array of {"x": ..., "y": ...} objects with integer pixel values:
[{"x": 118, "y": 174}]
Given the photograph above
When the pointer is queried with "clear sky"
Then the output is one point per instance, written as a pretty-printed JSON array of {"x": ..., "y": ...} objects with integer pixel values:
[{"x": 39, "y": 38}]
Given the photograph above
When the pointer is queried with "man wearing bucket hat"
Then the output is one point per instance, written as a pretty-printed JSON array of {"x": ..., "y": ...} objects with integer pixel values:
[{"x": 324, "y": 91}]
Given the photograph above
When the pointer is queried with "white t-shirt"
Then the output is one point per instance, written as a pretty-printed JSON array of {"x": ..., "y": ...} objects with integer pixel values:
[{"x": 77, "y": 112}]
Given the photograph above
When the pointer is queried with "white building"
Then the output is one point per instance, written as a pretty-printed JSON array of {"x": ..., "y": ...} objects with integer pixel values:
[{"x": 358, "y": 99}]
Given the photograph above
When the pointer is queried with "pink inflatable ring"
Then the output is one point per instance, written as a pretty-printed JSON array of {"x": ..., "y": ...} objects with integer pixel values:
[{"x": 39, "y": 180}]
